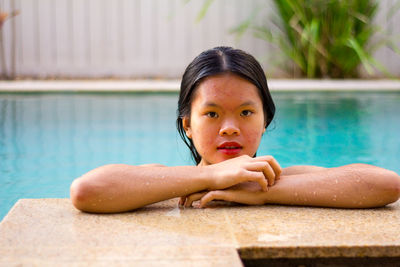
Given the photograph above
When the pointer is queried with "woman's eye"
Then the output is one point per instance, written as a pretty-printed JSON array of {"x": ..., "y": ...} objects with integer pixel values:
[
  {"x": 246, "y": 113},
  {"x": 212, "y": 114}
]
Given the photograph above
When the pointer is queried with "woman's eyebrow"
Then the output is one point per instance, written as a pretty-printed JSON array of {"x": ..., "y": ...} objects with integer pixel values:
[
  {"x": 210, "y": 104},
  {"x": 247, "y": 103}
]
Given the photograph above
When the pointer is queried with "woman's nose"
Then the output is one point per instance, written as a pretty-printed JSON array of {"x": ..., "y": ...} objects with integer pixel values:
[{"x": 229, "y": 127}]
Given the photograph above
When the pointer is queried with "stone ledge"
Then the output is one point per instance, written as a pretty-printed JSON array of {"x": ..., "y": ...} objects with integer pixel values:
[
  {"x": 95, "y": 86},
  {"x": 52, "y": 231}
]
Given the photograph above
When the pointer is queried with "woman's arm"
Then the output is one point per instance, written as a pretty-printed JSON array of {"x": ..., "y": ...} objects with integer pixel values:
[
  {"x": 300, "y": 169},
  {"x": 119, "y": 187},
  {"x": 350, "y": 186}
]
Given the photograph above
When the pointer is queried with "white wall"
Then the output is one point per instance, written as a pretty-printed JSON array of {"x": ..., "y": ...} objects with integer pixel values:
[{"x": 131, "y": 38}]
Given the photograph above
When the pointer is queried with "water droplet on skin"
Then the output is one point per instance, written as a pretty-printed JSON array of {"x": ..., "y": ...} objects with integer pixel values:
[
  {"x": 147, "y": 183},
  {"x": 295, "y": 194},
  {"x": 358, "y": 180},
  {"x": 162, "y": 177},
  {"x": 314, "y": 193},
  {"x": 336, "y": 181}
]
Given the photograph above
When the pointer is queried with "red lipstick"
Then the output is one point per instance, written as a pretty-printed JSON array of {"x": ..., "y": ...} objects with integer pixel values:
[{"x": 230, "y": 148}]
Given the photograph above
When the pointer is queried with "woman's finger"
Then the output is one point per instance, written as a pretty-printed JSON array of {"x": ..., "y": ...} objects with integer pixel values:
[
  {"x": 243, "y": 197},
  {"x": 214, "y": 195},
  {"x": 273, "y": 163},
  {"x": 268, "y": 177},
  {"x": 182, "y": 201},
  {"x": 276, "y": 167},
  {"x": 193, "y": 197},
  {"x": 269, "y": 174},
  {"x": 258, "y": 177}
]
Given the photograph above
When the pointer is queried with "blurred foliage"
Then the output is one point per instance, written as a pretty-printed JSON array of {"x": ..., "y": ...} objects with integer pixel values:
[{"x": 323, "y": 38}]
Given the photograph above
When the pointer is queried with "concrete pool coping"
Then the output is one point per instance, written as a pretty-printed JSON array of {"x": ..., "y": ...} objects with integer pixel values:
[
  {"x": 46, "y": 232},
  {"x": 27, "y": 86}
]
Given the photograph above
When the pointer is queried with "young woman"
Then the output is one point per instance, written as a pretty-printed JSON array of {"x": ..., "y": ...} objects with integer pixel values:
[{"x": 224, "y": 108}]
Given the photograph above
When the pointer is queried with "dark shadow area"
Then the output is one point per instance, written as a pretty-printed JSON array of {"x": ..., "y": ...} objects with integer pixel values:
[{"x": 323, "y": 262}]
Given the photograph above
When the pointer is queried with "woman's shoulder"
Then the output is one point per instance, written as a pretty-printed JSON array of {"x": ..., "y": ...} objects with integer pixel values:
[{"x": 152, "y": 165}]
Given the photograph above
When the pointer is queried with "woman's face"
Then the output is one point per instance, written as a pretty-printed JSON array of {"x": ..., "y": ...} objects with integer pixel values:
[{"x": 227, "y": 118}]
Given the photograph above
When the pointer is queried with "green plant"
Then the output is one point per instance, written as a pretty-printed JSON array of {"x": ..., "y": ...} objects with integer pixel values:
[{"x": 324, "y": 38}]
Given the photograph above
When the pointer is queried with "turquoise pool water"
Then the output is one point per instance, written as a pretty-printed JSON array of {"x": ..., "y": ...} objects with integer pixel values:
[{"x": 46, "y": 140}]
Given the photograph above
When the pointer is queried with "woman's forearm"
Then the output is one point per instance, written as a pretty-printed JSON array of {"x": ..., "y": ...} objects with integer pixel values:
[
  {"x": 119, "y": 187},
  {"x": 351, "y": 186}
]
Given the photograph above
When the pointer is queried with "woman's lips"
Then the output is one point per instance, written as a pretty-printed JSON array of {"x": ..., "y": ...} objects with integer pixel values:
[{"x": 230, "y": 148}]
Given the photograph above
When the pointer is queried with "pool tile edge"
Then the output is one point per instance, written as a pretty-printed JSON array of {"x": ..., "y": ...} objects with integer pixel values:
[{"x": 31, "y": 86}]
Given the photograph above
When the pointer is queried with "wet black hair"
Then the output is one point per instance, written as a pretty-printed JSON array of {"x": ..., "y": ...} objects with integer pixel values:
[{"x": 215, "y": 61}]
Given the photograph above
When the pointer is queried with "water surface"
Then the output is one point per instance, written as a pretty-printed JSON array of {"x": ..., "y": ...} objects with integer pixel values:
[{"x": 47, "y": 140}]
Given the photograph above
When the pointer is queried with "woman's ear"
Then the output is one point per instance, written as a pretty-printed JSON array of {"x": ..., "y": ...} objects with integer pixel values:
[{"x": 186, "y": 126}]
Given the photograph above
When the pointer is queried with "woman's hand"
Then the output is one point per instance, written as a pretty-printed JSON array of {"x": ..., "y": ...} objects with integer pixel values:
[
  {"x": 244, "y": 179},
  {"x": 249, "y": 193},
  {"x": 263, "y": 170},
  {"x": 350, "y": 186}
]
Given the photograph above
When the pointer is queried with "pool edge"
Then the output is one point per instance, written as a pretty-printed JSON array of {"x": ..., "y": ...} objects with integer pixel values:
[{"x": 99, "y": 86}]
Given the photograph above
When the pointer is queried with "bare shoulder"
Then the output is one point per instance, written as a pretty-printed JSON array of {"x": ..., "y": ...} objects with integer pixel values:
[
  {"x": 292, "y": 170},
  {"x": 152, "y": 165}
]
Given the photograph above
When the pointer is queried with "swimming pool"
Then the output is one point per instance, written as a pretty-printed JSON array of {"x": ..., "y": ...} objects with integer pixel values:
[{"x": 47, "y": 140}]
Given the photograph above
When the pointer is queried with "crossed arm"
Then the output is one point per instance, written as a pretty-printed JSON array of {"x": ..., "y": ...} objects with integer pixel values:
[{"x": 254, "y": 181}]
